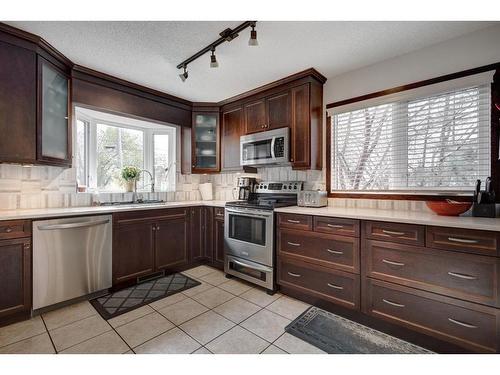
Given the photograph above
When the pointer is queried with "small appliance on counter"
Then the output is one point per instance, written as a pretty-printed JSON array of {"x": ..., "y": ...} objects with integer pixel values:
[
  {"x": 312, "y": 198},
  {"x": 484, "y": 201},
  {"x": 246, "y": 186}
]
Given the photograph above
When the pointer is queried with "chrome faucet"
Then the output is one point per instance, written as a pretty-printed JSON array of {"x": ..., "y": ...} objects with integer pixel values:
[{"x": 152, "y": 180}]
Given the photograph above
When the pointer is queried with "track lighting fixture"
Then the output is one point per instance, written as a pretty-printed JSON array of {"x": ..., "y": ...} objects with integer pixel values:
[
  {"x": 213, "y": 60},
  {"x": 253, "y": 37},
  {"x": 184, "y": 75},
  {"x": 226, "y": 35}
]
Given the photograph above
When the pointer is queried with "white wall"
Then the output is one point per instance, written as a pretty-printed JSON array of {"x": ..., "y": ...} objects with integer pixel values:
[{"x": 469, "y": 51}]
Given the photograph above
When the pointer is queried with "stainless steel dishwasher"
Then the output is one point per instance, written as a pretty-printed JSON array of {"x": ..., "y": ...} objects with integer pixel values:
[{"x": 71, "y": 258}]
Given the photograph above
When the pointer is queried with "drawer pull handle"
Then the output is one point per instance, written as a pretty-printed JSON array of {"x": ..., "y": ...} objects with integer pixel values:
[
  {"x": 335, "y": 286},
  {"x": 334, "y": 226},
  {"x": 294, "y": 274},
  {"x": 459, "y": 323},
  {"x": 392, "y": 303},
  {"x": 461, "y": 240},
  {"x": 462, "y": 276},
  {"x": 293, "y": 221},
  {"x": 393, "y": 233},
  {"x": 8, "y": 230},
  {"x": 335, "y": 252},
  {"x": 293, "y": 243},
  {"x": 392, "y": 263}
]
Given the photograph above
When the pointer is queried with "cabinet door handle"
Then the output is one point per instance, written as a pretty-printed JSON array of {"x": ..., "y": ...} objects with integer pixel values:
[
  {"x": 392, "y": 263},
  {"x": 462, "y": 276},
  {"x": 334, "y": 226},
  {"x": 336, "y": 252},
  {"x": 153, "y": 228},
  {"x": 293, "y": 243},
  {"x": 392, "y": 303},
  {"x": 8, "y": 230},
  {"x": 293, "y": 221},
  {"x": 461, "y": 240},
  {"x": 393, "y": 233},
  {"x": 335, "y": 286},
  {"x": 157, "y": 227},
  {"x": 462, "y": 324},
  {"x": 294, "y": 274}
]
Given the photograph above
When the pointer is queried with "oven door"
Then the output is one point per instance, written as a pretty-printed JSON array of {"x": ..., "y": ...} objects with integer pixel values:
[
  {"x": 248, "y": 234},
  {"x": 249, "y": 271}
]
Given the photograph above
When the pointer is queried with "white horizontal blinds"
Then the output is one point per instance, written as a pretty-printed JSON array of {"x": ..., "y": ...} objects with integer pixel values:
[{"x": 439, "y": 142}]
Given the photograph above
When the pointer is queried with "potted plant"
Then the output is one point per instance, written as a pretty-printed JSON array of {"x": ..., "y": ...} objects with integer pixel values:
[{"x": 130, "y": 175}]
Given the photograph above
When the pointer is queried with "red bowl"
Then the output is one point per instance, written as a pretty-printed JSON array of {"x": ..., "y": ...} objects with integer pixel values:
[{"x": 448, "y": 208}]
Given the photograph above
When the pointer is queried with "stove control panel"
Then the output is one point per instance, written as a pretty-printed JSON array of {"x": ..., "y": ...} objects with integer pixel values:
[{"x": 279, "y": 187}]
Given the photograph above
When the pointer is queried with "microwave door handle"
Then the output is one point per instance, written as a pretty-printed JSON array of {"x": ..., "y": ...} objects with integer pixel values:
[{"x": 273, "y": 140}]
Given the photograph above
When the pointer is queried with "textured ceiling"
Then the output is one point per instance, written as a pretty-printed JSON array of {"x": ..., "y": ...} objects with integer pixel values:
[{"x": 148, "y": 52}]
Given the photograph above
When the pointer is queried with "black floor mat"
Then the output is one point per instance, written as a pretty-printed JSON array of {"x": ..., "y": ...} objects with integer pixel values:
[
  {"x": 335, "y": 334},
  {"x": 125, "y": 300}
]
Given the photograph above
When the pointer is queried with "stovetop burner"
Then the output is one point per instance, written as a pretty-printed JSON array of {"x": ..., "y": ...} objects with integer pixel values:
[{"x": 271, "y": 195}]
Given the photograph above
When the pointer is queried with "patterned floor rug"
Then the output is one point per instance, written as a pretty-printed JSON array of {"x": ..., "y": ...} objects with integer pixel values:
[
  {"x": 337, "y": 335},
  {"x": 131, "y": 298}
]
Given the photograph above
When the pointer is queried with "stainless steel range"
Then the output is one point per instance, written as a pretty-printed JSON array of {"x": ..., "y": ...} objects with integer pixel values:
[{"x": 249, "y": 232}]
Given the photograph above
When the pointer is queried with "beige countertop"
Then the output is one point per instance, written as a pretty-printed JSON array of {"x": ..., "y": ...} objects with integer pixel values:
[
  {"x": 77, "y": 211},
  {"x": 410, "y": 217}
]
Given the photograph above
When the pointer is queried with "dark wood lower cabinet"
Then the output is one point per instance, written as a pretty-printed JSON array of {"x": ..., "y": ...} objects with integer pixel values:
[
  {"x": 219, "y": 241},
  {"x": 171, "y": 242},
  {"x": 463, "y": 323},
  {"x": 197, "y": 228},
  {"x": 133, "y": 249},
  {"x": 15, "y": 279}
]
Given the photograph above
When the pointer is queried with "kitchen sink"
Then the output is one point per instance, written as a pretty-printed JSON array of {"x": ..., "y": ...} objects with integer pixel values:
[{"x": 137, "y": 202}]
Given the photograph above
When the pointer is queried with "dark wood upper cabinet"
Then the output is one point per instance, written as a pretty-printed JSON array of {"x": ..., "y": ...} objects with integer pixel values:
[
  {"x": 300, "y": 130},
  {"x": 205, "y": 142},
  {"x": 53, "y": 118},
  {"x": 17, "y": 104},
  {"x": 255, "y": 116},
  {"x": 278, "y": 110},
  {"x": 232, "y": 129}
]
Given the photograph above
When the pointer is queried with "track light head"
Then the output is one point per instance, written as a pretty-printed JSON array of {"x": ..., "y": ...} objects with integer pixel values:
[
  {"x": 253, "y": 37},
  {"x": 213, "y": 60},
  {"x": 184, "y": 76}
]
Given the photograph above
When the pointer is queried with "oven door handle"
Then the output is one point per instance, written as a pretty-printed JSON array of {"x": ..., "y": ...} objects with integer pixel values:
[
  {"x": 251, "y": 214},
  {"x": 258, "y": 268}
]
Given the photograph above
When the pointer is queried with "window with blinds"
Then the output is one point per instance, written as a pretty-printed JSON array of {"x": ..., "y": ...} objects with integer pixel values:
[{"x": 433, "y": 143}]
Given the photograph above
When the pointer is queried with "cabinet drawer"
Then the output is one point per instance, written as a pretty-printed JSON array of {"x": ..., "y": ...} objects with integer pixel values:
[
  {"x": 303, "y": 222},
  {"x": 462, "y": 323},
  {"x": 332, "y": 285},
  {"x": 15, "y": 229},
  {"x": 394, "y": 232},
  {"x": 345, "y": 227},
  {"x": 473, "y": 241},
  {"x": 465, "y": 276},
  {"x": 219, "y": 213},
  {"x": 327, "y": 250}
]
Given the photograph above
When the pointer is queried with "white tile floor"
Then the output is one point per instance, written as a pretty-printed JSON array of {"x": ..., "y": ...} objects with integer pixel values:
[{"x": 219, "y": 316}]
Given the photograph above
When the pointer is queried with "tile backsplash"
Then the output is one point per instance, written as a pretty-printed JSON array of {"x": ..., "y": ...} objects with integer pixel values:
[
  {"x": 24, "y": 187},
  {"x": 54, "y": 187}
]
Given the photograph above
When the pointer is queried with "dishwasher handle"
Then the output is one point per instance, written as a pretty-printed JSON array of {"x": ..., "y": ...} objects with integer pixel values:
[{"x": 82, "y": 224}]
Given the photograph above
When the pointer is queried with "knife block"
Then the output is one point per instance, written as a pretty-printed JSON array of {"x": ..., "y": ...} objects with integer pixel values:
[{"x": 485, "y": 210}]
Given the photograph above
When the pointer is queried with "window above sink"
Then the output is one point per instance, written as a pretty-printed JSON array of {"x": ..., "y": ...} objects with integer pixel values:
[{"x": 106, "y": 143}]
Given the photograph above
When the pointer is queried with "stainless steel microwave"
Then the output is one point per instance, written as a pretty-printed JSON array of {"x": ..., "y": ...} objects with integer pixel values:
[{"x": 269, "y": 147}]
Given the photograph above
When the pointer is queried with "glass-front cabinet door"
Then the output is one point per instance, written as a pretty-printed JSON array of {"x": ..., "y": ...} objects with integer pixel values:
[
  {"x": 205, "y": 142},
  {"x": 53, "y": 146}
]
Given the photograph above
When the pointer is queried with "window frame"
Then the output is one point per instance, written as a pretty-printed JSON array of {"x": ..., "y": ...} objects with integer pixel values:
[
  {"x": 148, "y": 151},
  {"x": 494, "y": 136}
]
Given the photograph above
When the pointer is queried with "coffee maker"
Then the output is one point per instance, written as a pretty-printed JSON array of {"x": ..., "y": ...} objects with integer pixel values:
[{"x": 246, "y": 186}]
